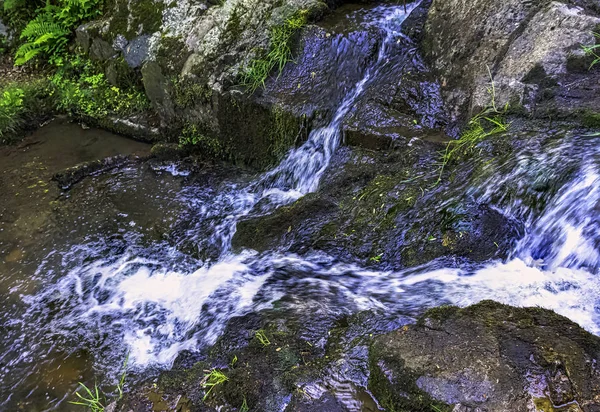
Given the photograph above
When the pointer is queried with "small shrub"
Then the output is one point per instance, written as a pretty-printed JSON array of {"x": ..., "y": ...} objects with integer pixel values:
[
  {"x": 19, "y": 103},
  {"x": 212, "y": 378},
  {"x": 191, "y": 137},
  {"x": 280, "y": 52},
  {"x": 11, "y": 106},
  {"x": 593, "y": 50}
]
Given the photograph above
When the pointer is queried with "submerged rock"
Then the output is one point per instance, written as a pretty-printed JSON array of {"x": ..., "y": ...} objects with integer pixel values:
[{"x": 487, "y": 357}]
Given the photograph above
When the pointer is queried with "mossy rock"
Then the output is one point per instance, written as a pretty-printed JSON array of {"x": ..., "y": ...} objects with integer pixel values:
[{"x": 486, "y": 357}]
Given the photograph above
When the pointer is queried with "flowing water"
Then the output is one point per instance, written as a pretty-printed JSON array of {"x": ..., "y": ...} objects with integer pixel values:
[{"x": 116, "y": 285}]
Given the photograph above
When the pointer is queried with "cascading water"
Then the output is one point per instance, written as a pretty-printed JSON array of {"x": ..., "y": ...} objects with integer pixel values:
[{"x": 122, "y": 295}]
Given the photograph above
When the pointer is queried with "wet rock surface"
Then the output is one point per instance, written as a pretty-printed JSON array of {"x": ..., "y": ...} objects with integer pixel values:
[
  {"x": 386, "y": 209},
  {"x": 484, "y": 357},
  {"x": 488, "y": 357}
]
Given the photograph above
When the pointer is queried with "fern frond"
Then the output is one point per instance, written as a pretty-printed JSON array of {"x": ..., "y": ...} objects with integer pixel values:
[
  {"x": 41, "y": 26},
  {"x": 26, "y": 52}
]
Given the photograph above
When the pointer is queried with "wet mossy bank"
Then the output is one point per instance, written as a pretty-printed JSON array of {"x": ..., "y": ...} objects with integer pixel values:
[{"x": 484, "y": 357}]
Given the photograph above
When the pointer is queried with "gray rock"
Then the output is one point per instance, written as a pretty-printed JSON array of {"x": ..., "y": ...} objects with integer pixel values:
[
  {"x": 3, "y": 30},
  {"x": 467, "y": 40},
  {"x": 120, "y": 42},
  {"x": 85, "y": 34},
  {"x": 101, "y": 50},
  {"x": 158, "y": 89},
  {"x": 488, "y": 357},
  {"x": 137, "y": 51}
]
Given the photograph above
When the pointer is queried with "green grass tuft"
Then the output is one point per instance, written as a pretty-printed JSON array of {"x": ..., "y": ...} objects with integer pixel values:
[
  {"x": 593, "y": 50},
  {"x": 262, "y": 338},
  {"x": 280, "y": 52},
  {"x": 487, "y": 123},
  {"x": 213, "y": 378},
  {"x": 93, "y": 399}
]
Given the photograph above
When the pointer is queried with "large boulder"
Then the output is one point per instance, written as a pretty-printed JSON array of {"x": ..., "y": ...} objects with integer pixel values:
[
  {"x": 190, "y": 56},
  {"x": 529, "y": 48},
  {"x": 487, "y": 357}
]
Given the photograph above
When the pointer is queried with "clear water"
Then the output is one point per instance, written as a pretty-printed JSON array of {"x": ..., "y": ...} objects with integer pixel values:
[{"x": 111, "y": 295}]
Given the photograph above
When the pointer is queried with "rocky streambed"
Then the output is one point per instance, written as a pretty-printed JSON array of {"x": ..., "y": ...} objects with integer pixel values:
[{"x": 355, "y": 273}]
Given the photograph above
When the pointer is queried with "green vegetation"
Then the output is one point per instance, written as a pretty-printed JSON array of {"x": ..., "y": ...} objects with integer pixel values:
[
  {"x": 81, "y": 90},
  {"x": 18, "y": 101},
  {"x": 191, "y": 136},
  {"x": 262, "y": 338},
  {"x": 11, "y": 106},
  {"x": 487, "y": 123},
  {"x": 213, "y": 378},
  {"x": 78, "y": 88},
  {"x": 593, "y": 50},
  {"x": 51, "y": 26},
  {"x": 94, "y": 399},
  {"x": 244, "y": 407},
  {"x": 280, "y": 52}
]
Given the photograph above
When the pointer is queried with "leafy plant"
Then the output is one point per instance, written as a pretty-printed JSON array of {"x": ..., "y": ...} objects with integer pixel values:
[
  {"x": 92, "y": 400},
  {"x": 83, "y": 91},
  {"x": 593, "y": 50},
  {"x": 17, "y": 13},
  {"x": 49, "y": 32},
  {"x": 192, "y": 137},
  {"x": 44, "y": 34},
  {"x": 213, "y": 378},
  {"x": 487, "y": 123},
  {"x": 11, "y": 105},
  {"x": 20, "y": 102},
  {"x": 280, "y": 52},
  {"x": 262, "y": 338}
]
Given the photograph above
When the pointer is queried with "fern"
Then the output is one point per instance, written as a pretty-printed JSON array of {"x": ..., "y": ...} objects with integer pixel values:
[
  {"x": 43, "y": 35},
  {"x": 49, "y": 32}
]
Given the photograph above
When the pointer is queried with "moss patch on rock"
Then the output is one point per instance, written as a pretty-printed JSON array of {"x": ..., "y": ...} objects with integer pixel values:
[{"x": 134, "y": 18}]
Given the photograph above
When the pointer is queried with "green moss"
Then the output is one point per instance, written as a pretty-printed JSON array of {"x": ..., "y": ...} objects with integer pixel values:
[
  {"x": 439, "y": 313},
  {"x": 284, "y": 133},
  {"x": 182, "y": 378},
  {"x": 261, "y": 142},
  {"x": 189, "y": 92},
  {"x": 590, "y": 119},
  {"x": 233, "y": 30},
  {"x": 132, "y": 18},
  {"x": 171, "y": 55},
  {"x": 402, "y": 393}
]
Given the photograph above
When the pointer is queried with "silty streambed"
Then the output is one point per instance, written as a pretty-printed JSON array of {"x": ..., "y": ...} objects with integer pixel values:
[{"x": 113, "y": 283}]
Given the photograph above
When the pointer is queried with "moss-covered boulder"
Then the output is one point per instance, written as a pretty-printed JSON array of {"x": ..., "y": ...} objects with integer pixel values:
[
  {"x": 190, "y": 57},
  {"x": 488, "y": 357}
]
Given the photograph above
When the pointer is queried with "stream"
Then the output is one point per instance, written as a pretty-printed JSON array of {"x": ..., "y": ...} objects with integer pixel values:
[{"x": 104, "y": 276}]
